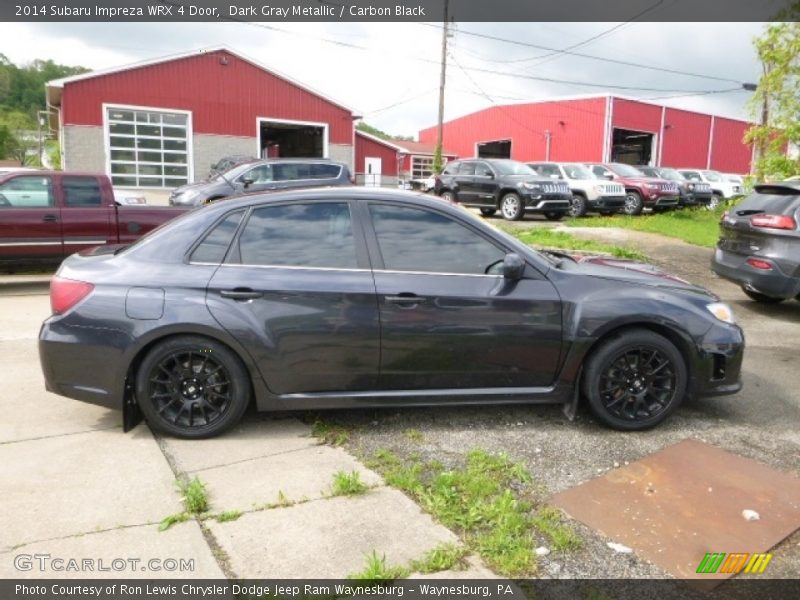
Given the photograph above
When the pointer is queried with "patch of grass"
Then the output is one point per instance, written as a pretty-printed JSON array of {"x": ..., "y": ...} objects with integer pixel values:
[
  {"x": 195, "y": 496},
  {"x": 441, "y": 558},
  {"x": 171, "y": 520},
  {"x": 415, "y": 435},
  {"x": 228, "y": 515},
  {"x": 347, "y": 484},
  {"x": 696, "y": 226},
  {"x": 376, "y": 569},
  {"x": 547, "y": 238},
  {"x": 485, "y": 502},
  {"x": 330, "y": 433}
]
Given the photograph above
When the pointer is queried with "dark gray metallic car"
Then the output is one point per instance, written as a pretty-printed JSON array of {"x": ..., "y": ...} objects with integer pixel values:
[
  {"x": 263, "y": 176},
  {"x": 365, "y": 297},
  {"x": 759, "y": 245},
  {"x": 506, "y": 185}
]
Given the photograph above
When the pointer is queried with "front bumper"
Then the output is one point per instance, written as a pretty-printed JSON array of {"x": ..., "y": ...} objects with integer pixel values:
[
  {"x": 774, "y": 282},
  {"x": 547, "y": 202},
  {"x": 696, "y": 199},
  {"x": 718, "y": 364},
  {"x": 608, "y": 202},
  {"x": 662, "y": 200}
]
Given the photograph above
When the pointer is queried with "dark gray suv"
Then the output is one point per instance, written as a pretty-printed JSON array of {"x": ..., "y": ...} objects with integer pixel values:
[
  {"x": 759, "y": 245},
  {"x": 263, "y": 176}
]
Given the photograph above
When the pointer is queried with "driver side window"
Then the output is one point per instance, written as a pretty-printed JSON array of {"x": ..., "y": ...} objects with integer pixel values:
[{"x": 413, "y": 239}]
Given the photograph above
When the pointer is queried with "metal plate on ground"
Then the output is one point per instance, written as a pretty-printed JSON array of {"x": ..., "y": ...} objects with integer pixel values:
[{"x": 685, "y": 501}]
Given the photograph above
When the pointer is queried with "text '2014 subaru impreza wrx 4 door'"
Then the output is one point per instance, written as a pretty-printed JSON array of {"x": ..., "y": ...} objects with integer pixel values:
[{"x": 361, "y": 297}]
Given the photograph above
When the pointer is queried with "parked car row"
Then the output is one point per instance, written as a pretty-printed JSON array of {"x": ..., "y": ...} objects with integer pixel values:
[{"x": 605, "y": 188}]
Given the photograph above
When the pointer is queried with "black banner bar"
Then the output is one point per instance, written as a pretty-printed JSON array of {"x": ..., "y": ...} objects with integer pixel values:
[{"x": 397, "y": 10}]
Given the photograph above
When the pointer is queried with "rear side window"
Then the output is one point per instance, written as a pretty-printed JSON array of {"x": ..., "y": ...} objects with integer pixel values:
[
  {"x": 291, "y": 171},
  {"x": 323, "y": 171},
  {"x": 315, "y": 235},
  {"x": 81, "y": 191},
  {"x": 213, "y": 248}
]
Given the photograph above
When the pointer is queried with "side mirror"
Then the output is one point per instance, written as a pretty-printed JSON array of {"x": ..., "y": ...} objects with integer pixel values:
[
  {"x": 513, "y": 267},
  {"x": 609, "y": 176},
  {"x": 213, "y": 166},
  {"x": 247, "y": 181}
]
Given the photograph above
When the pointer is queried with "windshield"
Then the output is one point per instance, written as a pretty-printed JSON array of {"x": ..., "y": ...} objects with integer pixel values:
[
  {"x": 712, "y": 175},
  {"x": 626, "y": 170},
  {"x": 512, "y": 167},
  {"x": 649, "y": 171},
  {"x": 578, "y": 172},
  {"x": 672, "y": 175}
]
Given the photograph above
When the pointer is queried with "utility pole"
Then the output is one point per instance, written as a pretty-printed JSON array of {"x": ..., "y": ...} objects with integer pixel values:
[{"x": 437, "y": 159}]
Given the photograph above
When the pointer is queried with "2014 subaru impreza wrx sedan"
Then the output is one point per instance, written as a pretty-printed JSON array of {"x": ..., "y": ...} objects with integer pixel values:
[{"x": 334, "y": 298}]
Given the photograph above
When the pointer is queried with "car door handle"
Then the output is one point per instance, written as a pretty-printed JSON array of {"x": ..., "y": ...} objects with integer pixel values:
[
  {"x": 405, "y": 298},
  {"x": 241, "y": 294},
  {"x": 49, "y": 219}
]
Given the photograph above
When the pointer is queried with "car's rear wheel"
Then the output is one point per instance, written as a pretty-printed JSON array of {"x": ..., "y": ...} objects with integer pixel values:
[
  {"x": 633, "y": 204},
  {"x": 192, "y": 387},
  {"x": 448, "y": 196},
  {"x": 488, "y": 212},
  {"x": 553, "y": 215},
  {"x": 635, "y": 380},
  {"x": 578, "y": 206},
  {"x": 511, "y": 207},
  {"x": 762, "y": 298}
]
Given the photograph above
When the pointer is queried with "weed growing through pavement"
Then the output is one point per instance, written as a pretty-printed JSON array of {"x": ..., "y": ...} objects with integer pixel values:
[{"x": 347, "y": 484}]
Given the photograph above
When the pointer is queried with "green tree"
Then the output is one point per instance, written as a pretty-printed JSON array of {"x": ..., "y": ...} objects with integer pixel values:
[
  {"x": 367, "y": 128},
  {"x": 22, "y": 140},
  {"x": 776, "y": 102}
]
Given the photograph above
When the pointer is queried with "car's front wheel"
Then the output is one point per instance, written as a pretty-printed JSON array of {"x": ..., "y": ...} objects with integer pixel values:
[
  {"x": 578, "y": 206},
  {"x": 511, "y": 207},
  {"x": 192, "y": 387},
  {"x": 635, "y": 380},
  {"x": 762, "y": 298},
  {"x": 633, "y": 203},
  {"x": 715, "y": 202}
]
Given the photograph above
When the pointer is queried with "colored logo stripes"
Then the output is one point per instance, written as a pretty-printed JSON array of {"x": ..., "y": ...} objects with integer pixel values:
[{"x": 736, "y": 562}]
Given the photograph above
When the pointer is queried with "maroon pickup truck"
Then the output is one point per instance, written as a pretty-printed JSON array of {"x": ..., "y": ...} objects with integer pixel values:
[{"x": 47, "y": 215}]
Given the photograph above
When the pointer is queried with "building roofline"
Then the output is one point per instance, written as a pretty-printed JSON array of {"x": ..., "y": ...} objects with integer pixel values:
[
  {"x": 59, "y": 83},
  {"x": 379, "y": 140}
]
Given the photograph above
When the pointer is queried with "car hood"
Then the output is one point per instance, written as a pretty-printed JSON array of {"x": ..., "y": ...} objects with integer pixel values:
[{"x": 634, "y": 272}]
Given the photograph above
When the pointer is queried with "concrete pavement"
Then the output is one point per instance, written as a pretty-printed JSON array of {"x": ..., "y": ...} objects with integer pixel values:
[{"x": 76, "y": 488}]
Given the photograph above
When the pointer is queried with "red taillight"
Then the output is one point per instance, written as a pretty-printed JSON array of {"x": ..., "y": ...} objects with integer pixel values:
[
  {"x": 759, "y": 264},
  {"x": 773, "y": 221},
  {"x": 66, "y": 293}
]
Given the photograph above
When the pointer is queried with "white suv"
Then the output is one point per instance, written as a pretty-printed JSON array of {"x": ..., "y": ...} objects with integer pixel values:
[
  {"x": 588, "y": 192},
  {"x": 721, "y": 187}
]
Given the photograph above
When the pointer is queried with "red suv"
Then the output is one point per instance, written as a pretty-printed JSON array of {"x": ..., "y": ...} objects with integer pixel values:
[{"x": 640, "y": 191}]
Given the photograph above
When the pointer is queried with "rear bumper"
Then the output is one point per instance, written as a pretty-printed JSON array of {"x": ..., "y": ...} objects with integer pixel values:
[{"x": 774, "y": 282}]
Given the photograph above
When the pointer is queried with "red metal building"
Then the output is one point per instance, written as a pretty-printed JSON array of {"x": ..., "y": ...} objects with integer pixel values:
[
  {"x": 388, "y": 162},
  {"x": 601, "y": 128},
  {"x": 160, "y": 123}
]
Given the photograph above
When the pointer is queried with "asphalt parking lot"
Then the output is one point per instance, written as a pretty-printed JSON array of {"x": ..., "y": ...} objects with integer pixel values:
[{"x": 76, "y": 486}]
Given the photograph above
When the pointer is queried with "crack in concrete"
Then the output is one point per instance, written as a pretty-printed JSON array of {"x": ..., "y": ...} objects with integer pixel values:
[
  {"x": 244, "y": 460},
  {"x": 77, "y": 535},
  {"x": 59, "y": 435}
]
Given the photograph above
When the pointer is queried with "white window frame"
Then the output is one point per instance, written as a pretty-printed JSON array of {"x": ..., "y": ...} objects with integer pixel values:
[
  {"x": 324, "y": 126},
  {"x": 424, "y": 157},
  {"x": 158, "y": 109}
]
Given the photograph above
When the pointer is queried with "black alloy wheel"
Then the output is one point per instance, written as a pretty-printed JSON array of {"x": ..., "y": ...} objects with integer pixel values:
[
  {"x": 635, "y": 381},
  {"x": 192, "y": 387}
]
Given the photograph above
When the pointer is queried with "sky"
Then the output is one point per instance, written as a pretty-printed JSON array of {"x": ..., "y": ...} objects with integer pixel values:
[{"x": 389, "y": 72}]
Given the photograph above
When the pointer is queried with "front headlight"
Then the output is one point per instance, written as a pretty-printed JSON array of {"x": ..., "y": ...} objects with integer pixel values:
[
  {"x": 651, "y": 186},
  {"x": 721, "y": 311},
  {"x": 531, "y": 186}
]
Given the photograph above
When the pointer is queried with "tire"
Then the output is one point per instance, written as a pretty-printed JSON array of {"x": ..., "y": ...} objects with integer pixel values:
[
  {"x": 448, "y": 196},
  {"x": 192, "y": 387},
  {"x": 488, "y": 212},
  {"x": 552, "y": 215},
  {"x": 578, "y": 206},
  {"x": 715, "y": 202},
  {"x": 633, "y": 204},
  {"x": 650, "y": 364},
  {"x": 761, "y": 298},
  {"x": 511, "y": 207}
]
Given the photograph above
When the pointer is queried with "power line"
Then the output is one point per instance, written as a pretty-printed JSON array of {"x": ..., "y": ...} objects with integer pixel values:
[{"x": 588, "y": 56}]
